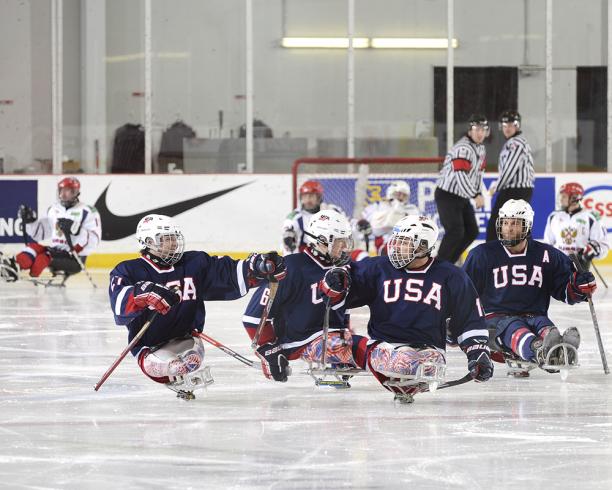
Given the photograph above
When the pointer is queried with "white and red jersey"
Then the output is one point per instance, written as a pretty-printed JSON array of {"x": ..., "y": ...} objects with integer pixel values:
[
  {"x": 571, "y": 232},
  {"x": 86, "y": 230},
  {"x": 295, "y": 224},
  {"x": 382, "y": 216}
]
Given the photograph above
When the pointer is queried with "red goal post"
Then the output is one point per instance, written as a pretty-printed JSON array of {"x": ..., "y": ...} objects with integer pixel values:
[{"x": 353, "y": 183}]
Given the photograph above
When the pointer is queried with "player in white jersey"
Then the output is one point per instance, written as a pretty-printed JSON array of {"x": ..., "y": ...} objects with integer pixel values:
[
  {"x": 71, "y": 226},
  {"x": 516, "y": 172},
  {"x": 378, "y": 218},
  {"x": 575, "y": 230},
  {"x": 311, "y": 202},
  {"x": 461, "y": 180}
]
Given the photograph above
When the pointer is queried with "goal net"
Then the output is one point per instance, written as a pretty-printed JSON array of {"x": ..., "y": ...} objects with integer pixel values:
[{"x": 353, "y": 183}]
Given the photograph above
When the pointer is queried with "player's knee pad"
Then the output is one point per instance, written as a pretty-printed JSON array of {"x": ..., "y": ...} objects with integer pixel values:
[
  {"x": 339, "y": 349},
  {"x": 178, "y": 357},
  {"x": 405, "y": 361}
]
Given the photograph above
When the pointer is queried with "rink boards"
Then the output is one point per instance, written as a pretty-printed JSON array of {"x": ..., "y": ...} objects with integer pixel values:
[{"x": 237, "y": 213}]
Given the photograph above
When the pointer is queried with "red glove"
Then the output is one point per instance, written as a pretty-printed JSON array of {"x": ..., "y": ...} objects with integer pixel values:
[
  {"x": 335, "y": 284},
  {"x": 584, "y": 282},
  {"x": 158, "y": 297}
]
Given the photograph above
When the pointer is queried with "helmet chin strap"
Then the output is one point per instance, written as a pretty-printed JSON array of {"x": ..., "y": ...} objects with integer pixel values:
[{"x": 155, "y": 259}]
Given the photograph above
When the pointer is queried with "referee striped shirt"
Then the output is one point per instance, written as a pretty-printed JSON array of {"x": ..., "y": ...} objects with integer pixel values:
[
  {"x": 463, "y": 167},
  {"x": 515, "y": 164}
]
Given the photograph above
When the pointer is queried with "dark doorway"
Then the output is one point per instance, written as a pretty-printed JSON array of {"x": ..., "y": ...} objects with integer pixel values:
[
  {"x": 482, "y": 90},
  {"x": 591, "y": 115}
]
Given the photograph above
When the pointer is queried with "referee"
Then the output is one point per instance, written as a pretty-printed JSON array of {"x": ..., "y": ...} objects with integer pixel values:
[
  {"x": 516, "y": 177},
  {"x": 461, "y": 180}
]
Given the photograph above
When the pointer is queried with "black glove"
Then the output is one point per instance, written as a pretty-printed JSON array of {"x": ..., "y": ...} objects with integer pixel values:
[
  {"x": 591, "y": 250},
  {"x": 584, "y": 283},
  {"x": 289, "y": 239},
  {"x": 158, "y": 297},
  {"x": 479, "y": 362},
  {"x": 27, "y": 214},
  {"x": 274, "y": 363},
  {"x": 335, "y": 284},
  {"x": 269, "y": 266},
  {"x": 65, "y": 225},
  {"x": 364, "y": 226}
]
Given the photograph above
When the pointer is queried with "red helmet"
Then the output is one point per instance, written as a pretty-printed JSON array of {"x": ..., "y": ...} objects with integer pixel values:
[
  {"x": 69, "y": 183},
  {"x": 573, "y": 190},
  {"x": 311, "y": 187}
]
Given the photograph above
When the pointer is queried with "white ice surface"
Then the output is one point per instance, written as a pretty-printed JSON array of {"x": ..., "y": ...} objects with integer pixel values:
[{"x": 247, "y": 432}]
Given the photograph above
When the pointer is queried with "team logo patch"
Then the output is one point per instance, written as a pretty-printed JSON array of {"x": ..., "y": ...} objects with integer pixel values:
[{"x": 568, "y": 235}]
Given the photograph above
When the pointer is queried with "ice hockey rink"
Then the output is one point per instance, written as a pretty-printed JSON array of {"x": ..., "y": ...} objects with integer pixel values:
[{"x": 247, "y": 432}]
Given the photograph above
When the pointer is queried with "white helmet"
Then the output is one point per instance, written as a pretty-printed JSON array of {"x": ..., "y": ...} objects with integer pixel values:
[
  {"x": 518, "y": 209},
  {"x": 329, "y": 237},
  {"x": 412, "y": 237},
  {"x": 159, "y": 235},
  {"x": 398, "y": 187}
]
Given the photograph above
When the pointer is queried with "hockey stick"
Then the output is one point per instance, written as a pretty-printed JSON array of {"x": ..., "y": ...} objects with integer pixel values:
[
  {"x": 82, "y": 265},
  {"x": 599, "y": 275},
  {"x": 125, "y": 351},
  {"x": 325, "y": 333},
  {"x": 265, "y": 314},
  {"x": 225, "y": 349},
  {"x": 602, "y": 352},
  {"x": 455, "y": 382}
]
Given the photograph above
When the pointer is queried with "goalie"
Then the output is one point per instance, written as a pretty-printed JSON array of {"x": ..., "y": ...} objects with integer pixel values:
[
  {"x": 72, "y": 227},
  {"x": 379, "y": 217},
  {"x": 515, "y": 277}
]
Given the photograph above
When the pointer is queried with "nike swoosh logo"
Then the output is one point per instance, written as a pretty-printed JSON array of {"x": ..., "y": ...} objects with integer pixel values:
[{"x": 116, "y": 227}]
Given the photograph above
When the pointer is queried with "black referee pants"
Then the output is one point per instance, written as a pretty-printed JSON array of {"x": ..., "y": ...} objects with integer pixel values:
[
  {"x": 459, "y": 221},
  {"x": 503, "y": 196}
]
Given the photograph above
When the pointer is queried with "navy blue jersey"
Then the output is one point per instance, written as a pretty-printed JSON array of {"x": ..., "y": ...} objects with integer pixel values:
[
  {"x": 298, "y": 309},
  {"x": 198, "y": 275},
  {"x": 412, "y": 306},
  {"x": 520, "y": 283}
]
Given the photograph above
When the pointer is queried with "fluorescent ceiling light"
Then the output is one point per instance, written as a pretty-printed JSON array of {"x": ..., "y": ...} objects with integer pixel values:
[
  {"x": 324, "y": 42},
  {"x": 364, "y": 42},
  {"x": 411, "y": 43}
]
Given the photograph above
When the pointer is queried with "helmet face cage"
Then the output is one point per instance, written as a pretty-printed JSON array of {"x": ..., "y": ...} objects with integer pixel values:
[
  {"x": 161, "y": 238},
  {"x": 512, "y": 241},
  {"x": 69, "y": 183},
  {"x": 574, "y": 191},
  {"x": 329, "y": 237},
  {"x": 413, "y": 237}
]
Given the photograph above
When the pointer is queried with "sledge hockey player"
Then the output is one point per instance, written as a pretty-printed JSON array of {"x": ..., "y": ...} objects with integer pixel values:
[
  {"x": 379, "y": 217},
  {"x": 175, "y": 284},
  {"x": 515, "y": 277},
  {"x": 295, "y": 322},
  {"x": 575, "y": 230},
  {"x": 311, "y": 202},
  {"x": 413, "y": 299},
  {"x": 72, "y": 227}
]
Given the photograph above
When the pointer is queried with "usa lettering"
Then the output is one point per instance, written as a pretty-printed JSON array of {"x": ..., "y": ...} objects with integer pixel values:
[
  {"x": 519, "y": 276},
  {"x": 188, "y": 289},
  {"x": 413, "y": 291}
]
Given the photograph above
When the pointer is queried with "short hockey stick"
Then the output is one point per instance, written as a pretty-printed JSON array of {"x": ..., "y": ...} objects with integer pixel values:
[
  {"x": 602, "y": 352},
  {"x": 82, "y": 265},
  {"x": 454, "y": 382},
  {"x": 599, "y": 275},
  {"x": 325, "y": 333},
  {"x": 125, "y": 351},
  {"x": 226, "y": 349},
  {"x": 265, "y": 314}
]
